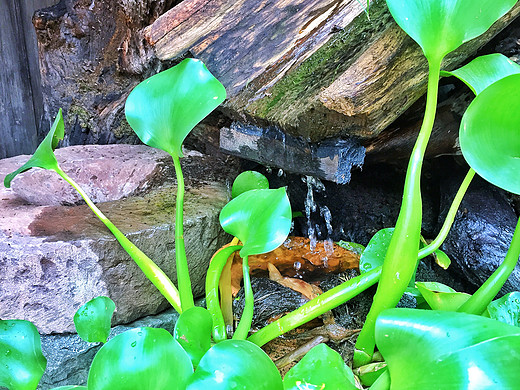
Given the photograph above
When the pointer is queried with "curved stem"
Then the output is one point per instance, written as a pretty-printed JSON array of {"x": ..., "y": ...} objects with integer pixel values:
[
  {"x": 226, "y": 293},
  {"x": 450, "y": 217},
  {"x": 478, "y": 302},
  {"x": 212, "y": 280},
  {"x": 181, "y": 263},
  {"x": 316, "y": 307},
  {"x": 149, "y": 268},
  {"x": 246, "y": 319},
  {"x": 401, "y": 257}
]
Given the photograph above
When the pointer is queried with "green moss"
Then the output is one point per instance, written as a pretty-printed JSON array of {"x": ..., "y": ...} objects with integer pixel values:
[{"x": 77, "y": 113}]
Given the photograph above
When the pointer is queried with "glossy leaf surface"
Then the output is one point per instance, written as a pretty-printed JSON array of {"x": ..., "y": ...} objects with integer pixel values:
[
  {"x": 93, "y": 319},
  {"x": 351, "y": 246},
  {"x": 441, "y": 259},
  {"x": 320, "y": 368},
  {"x": 440, "y": 26},
  {"x": 489, "y": 134},
  {"x": 22, "y": 362},
  {"x": 484, "y": 71},
  {"x": 249, "y": 180},
  {"x": 506, "y": 309},
  {"x": 164, "y": 108},
  {"x": 430, "y": 350},
  {"x": 441, "y": 297},
  {"x": 374, "y": 254},
  {"x": 235, "y": 364},
  {"x": 141, "y": 358},
  {"x": 43, "y": 157},
  {"x": 193, "y": 332},
  {"x": 261, "y": 219}
]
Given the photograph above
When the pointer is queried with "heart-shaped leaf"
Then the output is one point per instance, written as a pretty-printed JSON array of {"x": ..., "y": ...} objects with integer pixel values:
[
  {"x": 193, "y": 332},
  {"x": 43, "y": 157},
  {"x": 235, "y": 364},
  {"x": 320, "y": 368},
  {"x": 374, "y": 254},
  {"x": 164, "y": 108},
  {"x": 261, "y": 219},
  {"x": 248, "y": 180},
  {"x": 445, "y": 350},
  {"x": 441, "y": 297},
  {"x": 484, "y": 71},
  {"x": 506, "y": 309},
  {"x": 440, "y": 26},
  {"x": 21, "y": 360},
  {"x": 93, "y": 319},
  {"x": 489, "y": 134},
  {"x": 141, "y": 358}
]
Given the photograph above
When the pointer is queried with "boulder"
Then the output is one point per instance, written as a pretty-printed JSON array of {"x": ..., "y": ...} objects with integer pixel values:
[{"x": 54, "y": 258}]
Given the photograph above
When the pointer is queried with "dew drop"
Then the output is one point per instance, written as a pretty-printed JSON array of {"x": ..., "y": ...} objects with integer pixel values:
[{"x": 133, "y": 344}]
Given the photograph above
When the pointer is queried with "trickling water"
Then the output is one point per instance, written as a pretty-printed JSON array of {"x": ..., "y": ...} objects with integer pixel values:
[
  {"x": 327, "y": 216},
  {"x": 313, "y": 230}
]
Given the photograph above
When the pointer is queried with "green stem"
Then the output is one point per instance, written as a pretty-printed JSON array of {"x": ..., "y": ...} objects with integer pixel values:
[
  {"x": 181, "y": 263},
  {"x": 450, "y": 217},
  {"x": 246, "y": 319},
  {"x": 316, "y": 307},
  {"x": 479, "y": 301},
  {"x": 212, "y": 280},
  {"x": 401, "y": 257},
  {"x": 150, "y": 269}
]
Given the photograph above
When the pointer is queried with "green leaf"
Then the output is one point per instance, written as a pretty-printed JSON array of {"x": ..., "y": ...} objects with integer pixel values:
[
  {"x": 484, "y": 71},
  {"x": 93, "y": 319},
  {"x": 441, "y": 259},
  {"x": 43, "y": 157},
  {"x": 489, "y": 137},
  {"x": 141, "y": 358},
  {"x": 235, "y": 364},
  {"x": 248, "y": 180},
  {"x": 441, "y": 297},
  {"x": 445, "y": 350},
  {"x": 70, "y": 388},
  {"x": 369, "y": 373},
  {"x": 193, "y": 332},
  {"x": 164, "y": 108},
  {"x": 351, "y": 246},
  {"x": 261, "y": 219},
  {"x": 506, "y": 309},
  {"x": 374, "y": 254},
  {"x": 21, "y": 360},
  {"x": 320, "y": 368},
  {"x": 440, "y": 26}
]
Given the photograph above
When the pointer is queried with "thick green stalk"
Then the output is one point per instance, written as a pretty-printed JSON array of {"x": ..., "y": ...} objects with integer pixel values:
[
  {"x": 246, "y": 319},
  {"x": 150, "y": 269},
  {"x": 401, "y": 257},
  {"x": 450, "y": 217},
  {"x": 478, "y": 302},
  {"x": 316, "y": 307},
  {"x": 181, "y": 263},
  {"x": 212, "y": 281}
]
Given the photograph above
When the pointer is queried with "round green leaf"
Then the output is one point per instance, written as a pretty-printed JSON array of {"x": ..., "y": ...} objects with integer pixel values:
[
  {"x": 248, "y": 180},
  {"x": 506, "y": 309},
  {"x": 21, "y": 360},
  {"x": 235, "y": 364},
  {"x": 320, "y": 368},
  {"x": 141, "y": 358},
  {"x": 445, "y": 350},
  {"x": 489, "y": 134},
  {"x": 441, "y": 297},
  {"x": 484, "y": 71},
  {"x": 440, "y": 26},
  {"x": 93, "y": 319},
  {"x": 43, "y": 157},
  {"x": 193, "y": 332},
  {"x": 164, "y": 108},
  {"x": 374, "y": 254},
  {"x": 261, "y": 219}
]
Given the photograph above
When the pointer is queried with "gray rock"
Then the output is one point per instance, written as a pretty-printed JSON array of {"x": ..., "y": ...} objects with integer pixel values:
[{"x": 55, "y": 258}]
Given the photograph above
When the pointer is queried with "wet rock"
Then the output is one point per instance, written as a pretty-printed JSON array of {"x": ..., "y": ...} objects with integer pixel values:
[{"x": 55, "y": 258}]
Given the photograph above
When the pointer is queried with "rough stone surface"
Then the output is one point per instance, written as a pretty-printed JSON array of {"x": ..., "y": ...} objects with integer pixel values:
[{"x": 55, "y": 258}]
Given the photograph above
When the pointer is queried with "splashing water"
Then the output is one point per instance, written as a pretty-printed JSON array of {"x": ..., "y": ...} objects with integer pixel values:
[{"x": 313, "y": 184}]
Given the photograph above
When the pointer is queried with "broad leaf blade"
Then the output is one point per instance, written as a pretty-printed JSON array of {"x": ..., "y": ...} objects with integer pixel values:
[
  {"x": 484, "y": 71},
  {"x": 248, "y": 180},
  {"x": 193, "y": 332},
  {"x": 374, "y": 254},
  {"x": 320, "y": 368},
  {"x": 441, "y": 297},
  {"x": 93, "y": 319},
  {"x": 440, "y": 26},
  {"x": 164, "y": 108},
  {"x": 489, "y": 134},
  {"x": 43, "y": 157},
  {"x": 22, "y": 362},
  {"x": 141, "y": 358},
  {"x": 506, "y": 309},
  {"x": 261, "y": 219},
  {"x": 235, "y": 364}
]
